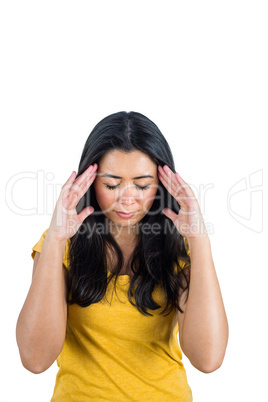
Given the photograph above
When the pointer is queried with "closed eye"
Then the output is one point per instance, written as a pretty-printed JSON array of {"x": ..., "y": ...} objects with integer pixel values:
[{"x": 114, "y": 187}]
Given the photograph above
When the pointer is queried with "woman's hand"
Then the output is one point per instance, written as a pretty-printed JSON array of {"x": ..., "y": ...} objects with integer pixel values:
[
  {"x": 65, "y": 221},
  {"x": 189, "y": 220}
]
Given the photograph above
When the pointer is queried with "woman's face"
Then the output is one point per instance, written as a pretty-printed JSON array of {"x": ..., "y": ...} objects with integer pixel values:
[{"x": 126, "y": 194}]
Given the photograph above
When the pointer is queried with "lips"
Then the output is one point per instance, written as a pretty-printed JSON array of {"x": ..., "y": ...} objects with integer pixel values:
[{"x": 125, "y": 215}]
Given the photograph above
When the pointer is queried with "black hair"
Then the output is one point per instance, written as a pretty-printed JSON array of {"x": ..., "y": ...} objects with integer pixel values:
[{"x": 153, "y": 259}]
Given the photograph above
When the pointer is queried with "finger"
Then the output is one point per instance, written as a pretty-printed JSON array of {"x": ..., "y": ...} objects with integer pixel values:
[
  {"x": 174, "y": 180},
  {"x": 71, "y": 179},
  {"x": 85, "y": 213},
  {"x": 83, "y": 179},
  {"x": 169, "y": 176},
  {"x": 172, "y": 187},
  {"x": 179, "y": 194},
  {"x": 79, "y": 191},
  {"x": 169, "y": 214},
  {"x": 67, "y": 185},
  {"x": 83, "y": 176},
  {"x": 72, "y": 185}
]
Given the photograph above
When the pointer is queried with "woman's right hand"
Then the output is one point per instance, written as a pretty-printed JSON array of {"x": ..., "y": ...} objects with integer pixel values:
[{"x": 65, "y": 221}]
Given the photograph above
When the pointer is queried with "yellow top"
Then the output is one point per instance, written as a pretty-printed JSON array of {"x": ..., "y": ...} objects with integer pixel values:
[{"x": 112, "y": 352}]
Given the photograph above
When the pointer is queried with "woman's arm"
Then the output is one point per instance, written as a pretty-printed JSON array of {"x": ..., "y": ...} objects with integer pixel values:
[
  {"x": 203, "y": 328},
  {"x": 41, "y": 325}
]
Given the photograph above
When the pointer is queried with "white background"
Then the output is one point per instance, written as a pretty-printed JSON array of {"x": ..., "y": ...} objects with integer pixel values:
[{"x": 199, "y": 71}]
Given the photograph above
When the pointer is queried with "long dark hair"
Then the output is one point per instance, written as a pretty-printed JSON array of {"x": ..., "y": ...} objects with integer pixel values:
[{"x": 153, "y": 259}]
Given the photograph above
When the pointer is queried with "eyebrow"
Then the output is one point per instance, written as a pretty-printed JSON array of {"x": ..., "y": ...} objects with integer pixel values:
[{"x": 119, "y": 177}]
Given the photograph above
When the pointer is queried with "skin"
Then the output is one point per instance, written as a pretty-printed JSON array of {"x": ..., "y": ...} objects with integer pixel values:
[
  {"x": 203, "y": 327},
  {"x": 127, "y": 196}
]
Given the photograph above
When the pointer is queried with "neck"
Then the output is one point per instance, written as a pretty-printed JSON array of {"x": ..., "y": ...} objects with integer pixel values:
[{"x": 124, "y": 235}]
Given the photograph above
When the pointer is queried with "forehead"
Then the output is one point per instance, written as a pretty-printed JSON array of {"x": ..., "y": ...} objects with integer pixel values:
[{"x": 124, "y": 164}]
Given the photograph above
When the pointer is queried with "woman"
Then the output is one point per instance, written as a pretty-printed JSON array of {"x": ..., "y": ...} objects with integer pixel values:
[{"x": 128, "y": 257}]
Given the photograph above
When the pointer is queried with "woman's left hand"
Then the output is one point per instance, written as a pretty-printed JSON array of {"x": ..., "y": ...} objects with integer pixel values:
[{"x": 189, "y": 221}]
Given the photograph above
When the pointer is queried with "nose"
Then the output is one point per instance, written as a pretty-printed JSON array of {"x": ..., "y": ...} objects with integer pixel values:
[{"x": 128, "y": 195}]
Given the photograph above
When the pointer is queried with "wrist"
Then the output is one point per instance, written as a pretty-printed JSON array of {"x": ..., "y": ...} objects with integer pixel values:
[
  {"x": 201, "y": 239},
  {"x": 52, "y": 236}
]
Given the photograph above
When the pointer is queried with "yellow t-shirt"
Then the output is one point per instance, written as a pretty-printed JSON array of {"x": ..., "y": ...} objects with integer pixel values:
[{"x": 112, "y": 352}]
